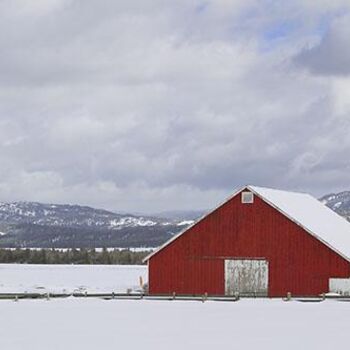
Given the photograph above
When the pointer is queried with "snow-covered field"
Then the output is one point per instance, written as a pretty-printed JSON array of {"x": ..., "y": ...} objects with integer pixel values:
[
  {"x": 16, "y": 278},
  {"x": 92, "y": 323},
  {"x": 118, "y": 324}
]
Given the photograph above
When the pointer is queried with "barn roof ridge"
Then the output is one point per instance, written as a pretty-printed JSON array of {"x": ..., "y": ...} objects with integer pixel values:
[{"x": 321, "y": 222}]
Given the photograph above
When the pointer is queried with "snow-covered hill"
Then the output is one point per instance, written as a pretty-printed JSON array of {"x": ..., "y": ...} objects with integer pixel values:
[
  {"x": 71, "y": 216},
  {"x": 30, "y": 224}
]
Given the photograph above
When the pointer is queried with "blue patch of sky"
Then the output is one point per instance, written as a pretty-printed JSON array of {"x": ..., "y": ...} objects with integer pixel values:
[
  {"x": 277, "y": 33},
  {"x": 202, "y": 7},
  {"x": 280, "y": 30}
]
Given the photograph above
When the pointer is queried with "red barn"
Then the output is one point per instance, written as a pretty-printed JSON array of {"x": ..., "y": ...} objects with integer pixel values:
[{"x": 259, "y": 242}]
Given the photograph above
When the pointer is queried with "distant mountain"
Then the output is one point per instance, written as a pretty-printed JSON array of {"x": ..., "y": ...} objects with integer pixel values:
[
  {"x": 30, "y": 224},
  {"x": 71, "y": 216},
  {"x": 339, "y": 202}
]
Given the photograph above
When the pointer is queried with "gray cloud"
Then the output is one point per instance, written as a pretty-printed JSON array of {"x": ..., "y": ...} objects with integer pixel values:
[
  {"x": 164, "y": 105},
  {"x": 331, "y": 56}
]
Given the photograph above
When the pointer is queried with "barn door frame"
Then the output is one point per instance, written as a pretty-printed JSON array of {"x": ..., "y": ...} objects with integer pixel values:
[{"x": 247, "y": 276}]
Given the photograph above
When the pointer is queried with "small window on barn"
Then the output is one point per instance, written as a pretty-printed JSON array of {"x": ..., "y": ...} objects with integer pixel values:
[{"x": 247, "y": 197}]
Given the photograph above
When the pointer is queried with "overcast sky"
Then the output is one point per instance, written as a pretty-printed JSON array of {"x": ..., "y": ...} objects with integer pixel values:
[{"x": 145, "y": 106}]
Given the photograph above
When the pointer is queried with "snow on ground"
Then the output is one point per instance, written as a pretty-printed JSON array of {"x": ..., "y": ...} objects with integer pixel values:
[
  {"x": 93, "y": 323},
  {"x": 16, "y": 278},
  {"x": 90, "y": 324}
]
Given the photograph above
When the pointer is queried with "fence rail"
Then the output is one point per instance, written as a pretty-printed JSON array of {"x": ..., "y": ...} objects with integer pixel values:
[{"x": 139, "y": 296}]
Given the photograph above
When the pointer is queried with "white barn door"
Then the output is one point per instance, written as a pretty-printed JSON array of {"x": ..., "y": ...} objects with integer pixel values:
[{"x": 248, "y": 277}]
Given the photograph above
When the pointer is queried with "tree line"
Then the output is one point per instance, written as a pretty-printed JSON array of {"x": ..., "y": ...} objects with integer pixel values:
[{"x": 72, "y": 256}]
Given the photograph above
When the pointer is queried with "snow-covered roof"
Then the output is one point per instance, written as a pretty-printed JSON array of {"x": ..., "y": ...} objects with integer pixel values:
[{"x": 306, "y": 211}]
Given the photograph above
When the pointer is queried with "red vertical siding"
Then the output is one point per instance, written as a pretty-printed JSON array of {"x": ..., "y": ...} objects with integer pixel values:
[{"x": 194, "y": 262}]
